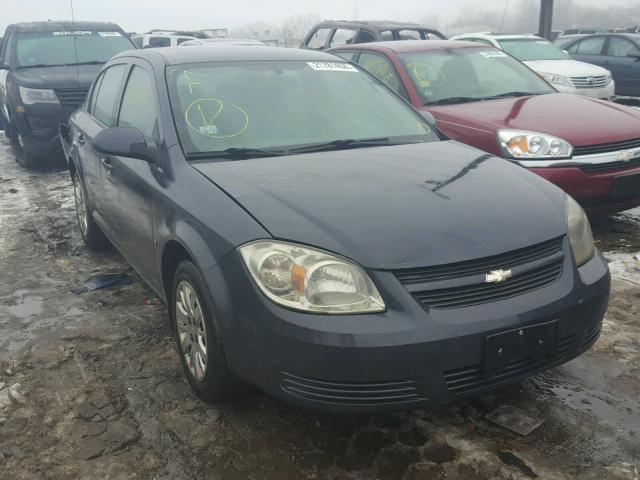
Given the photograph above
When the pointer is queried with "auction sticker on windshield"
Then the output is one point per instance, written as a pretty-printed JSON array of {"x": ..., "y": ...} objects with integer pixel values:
[
  {"x": 493, "y": 54},
  {"x": 332, "y": 66}
]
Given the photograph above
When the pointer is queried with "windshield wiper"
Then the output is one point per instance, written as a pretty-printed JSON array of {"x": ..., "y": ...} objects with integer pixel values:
[
  {"x": 451, "y": 100},
  {"x": 343, "y": 145},
  {"x": 236, "y": 153},
  {"x": 512, "y": 94}
]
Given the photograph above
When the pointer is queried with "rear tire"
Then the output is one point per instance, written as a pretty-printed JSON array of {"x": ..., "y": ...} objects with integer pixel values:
[
  {"x": 90, "y": 231},
  {"x": 199, "y": 338}
]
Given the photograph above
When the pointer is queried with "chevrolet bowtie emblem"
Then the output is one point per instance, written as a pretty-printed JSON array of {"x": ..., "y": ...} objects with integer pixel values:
[
  {"x": 497, "y": 276},
  {"x": 625, "y": 156}
]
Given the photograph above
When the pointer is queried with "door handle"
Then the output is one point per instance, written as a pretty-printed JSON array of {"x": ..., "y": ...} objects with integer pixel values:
[
  {"x": 106, "y": 163},
  {"x": 80, "y": 139}
]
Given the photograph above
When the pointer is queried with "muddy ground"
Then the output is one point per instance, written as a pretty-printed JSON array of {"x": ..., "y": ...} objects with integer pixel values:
[{"x": 91, "y": 386}]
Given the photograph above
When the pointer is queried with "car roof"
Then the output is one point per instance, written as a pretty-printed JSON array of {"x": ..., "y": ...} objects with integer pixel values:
[
  {"x": 406, "y": 46},
  {"x": 374, "y": 24},
  {"x": 65, "y": 25},
  {"x": 226, "y": 53},
  {"x": 632, "y": 36},
  {"x": 501, "y": 36}
]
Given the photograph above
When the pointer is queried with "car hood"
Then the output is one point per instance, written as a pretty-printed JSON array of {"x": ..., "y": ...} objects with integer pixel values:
[
  {"x": 567, "y": 68},
  {"x": 57, "y": 77},
  {"x": 396, "y": 207},
  {"x": 580, "y": 120}
]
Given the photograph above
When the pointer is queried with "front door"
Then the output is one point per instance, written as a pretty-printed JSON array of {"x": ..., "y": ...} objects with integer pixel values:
[{"x": 129, "y": 184}]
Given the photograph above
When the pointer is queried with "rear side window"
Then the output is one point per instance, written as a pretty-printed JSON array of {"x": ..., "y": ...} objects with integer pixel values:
[
  {"x": 159, "y": 42},
  {"x": 411, "y": 35},
  {"x": 342, "y": 36},
  {"x": 382, "y": 68},
  {"x": 621, "y": 47},
  {"x": 386, "y": 35},
  {"x": 108, "y": 94},
  {"x": 590, "y": 46},
  {"x": 319, "y": 38},
  {"x": 138, "y": 108}
]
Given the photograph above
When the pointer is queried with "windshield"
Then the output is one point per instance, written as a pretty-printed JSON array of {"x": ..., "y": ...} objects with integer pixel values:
[
  {"x": 457, "y": 75},
  {"x": 58, "y": 48},
  {"x": 525, "y": 49},
  {"x": 282, "y": 105}
]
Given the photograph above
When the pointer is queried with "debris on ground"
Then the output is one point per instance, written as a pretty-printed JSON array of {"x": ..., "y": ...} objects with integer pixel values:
[
  {"x": 514, "y": 419},
  {"x": 152, "y": 301},
  {"x": 102, "y": 281},
  {"x": 512, "y": 459},
  {"x": 636, "y": 257},
  {"x": 13, "y": 190}
]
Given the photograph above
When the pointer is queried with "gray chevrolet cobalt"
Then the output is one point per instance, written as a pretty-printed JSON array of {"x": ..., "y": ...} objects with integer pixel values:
[{"x": 316, "y": 237}]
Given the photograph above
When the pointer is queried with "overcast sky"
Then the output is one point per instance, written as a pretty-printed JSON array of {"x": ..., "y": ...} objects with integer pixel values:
[{"x": 142, "y": 15}]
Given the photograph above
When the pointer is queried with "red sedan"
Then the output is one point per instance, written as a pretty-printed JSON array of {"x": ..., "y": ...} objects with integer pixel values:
[{"x": 483, "y": 97}]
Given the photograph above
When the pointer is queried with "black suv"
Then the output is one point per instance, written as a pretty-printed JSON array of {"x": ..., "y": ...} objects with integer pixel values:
[
  {"x": 330, "y": 34},
  {"x": 46, "y": 69}
]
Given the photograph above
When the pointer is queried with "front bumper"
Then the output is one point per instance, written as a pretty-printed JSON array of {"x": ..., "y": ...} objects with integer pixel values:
[
  {"x": 406, "y": 357},
  {"x": 603, "y": 93},
  {"x": 38, "y": 130},
  {"x": 590, "y": 179}
]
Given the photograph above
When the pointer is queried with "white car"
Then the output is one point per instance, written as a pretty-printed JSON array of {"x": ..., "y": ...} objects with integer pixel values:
[
  {"x": 153, "y": 40},
  {"x": 251, "y": 42},
  {"x": 554, "y": 65}
]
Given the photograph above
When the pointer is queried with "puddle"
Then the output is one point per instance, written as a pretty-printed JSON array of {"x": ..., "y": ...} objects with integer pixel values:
[{"x": 27, "y": 306}]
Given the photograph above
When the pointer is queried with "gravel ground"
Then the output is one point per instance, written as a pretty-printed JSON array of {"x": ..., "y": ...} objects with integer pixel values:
[{"x": 91, "y": 386}]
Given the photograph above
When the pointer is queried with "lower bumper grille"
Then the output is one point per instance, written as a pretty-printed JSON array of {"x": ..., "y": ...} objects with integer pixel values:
[
  {"x": 591, "y": 336},
  {"x": 350, "y": 393}
]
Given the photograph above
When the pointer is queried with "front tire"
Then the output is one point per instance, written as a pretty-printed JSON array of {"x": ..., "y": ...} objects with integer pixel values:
[
  {"x": 198, "y": 337},
  {"x": 90, "y": 231},
  {"x": 21, "y": 156}
]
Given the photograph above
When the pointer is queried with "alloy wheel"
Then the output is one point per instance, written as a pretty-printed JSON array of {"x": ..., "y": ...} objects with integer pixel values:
[
  {"x": 81, "y": 205},
  {"x": 192, "y": 331}
]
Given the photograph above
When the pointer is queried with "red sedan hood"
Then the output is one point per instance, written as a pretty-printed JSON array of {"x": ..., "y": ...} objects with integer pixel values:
[{"x": 579, "y": 120}]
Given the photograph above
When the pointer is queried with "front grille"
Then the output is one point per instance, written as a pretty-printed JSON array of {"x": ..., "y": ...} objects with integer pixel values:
[
  {"x": 610, "y": 166},
  {"x": 606, "y": 147},
  {"x": 481, "y": 265},
  {"x": 71, "y": 98},
  {"x": 590, "y": 82},
  {"x": 468, "y": 295},
  {"x": 350, "y": 393},
  {"x": 469, "y": 378}
]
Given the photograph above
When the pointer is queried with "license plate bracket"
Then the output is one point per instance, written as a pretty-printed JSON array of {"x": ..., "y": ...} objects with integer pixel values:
[
  {"x": 625, "y": 186},
  {"x": 534, "y": 343}
]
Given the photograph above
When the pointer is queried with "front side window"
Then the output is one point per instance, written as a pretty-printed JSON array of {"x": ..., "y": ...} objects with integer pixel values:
[
  {"x": 319, "y": 38},
  {"x": 342, "y": 36},
  {"x": 532, "y": 49},
  {"x": 382, "y": 68},
  {"x": 68, "y": 48},
  {"x": 138, "y": 108},
  {"x": 108, "y": 94},
  {"x": 282, "y": 105},
  {"x": 590, "y": 46},
  {"x": 159, "y": 42},
  {"x": 469, "y": 74},
  {"x": 621, "y": 47},
  {"x": 91, "y": 105}
]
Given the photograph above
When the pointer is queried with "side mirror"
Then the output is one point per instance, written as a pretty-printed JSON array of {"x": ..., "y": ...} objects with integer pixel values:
[
  {"x": 125, "y": 142},
  {"x": 634, "y": 55}
]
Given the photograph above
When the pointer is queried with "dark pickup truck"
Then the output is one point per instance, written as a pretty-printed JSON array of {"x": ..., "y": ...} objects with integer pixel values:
[{"x": 46, "y": 69}]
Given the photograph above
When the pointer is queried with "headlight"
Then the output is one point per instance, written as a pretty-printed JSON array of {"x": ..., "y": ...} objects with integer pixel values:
[
  {"x": 37, "y": 95},
  {"x": 528, "y": 145},
  {"x": 310, "y": 280},
  {"x": 580, "y": 235},
  {"x": 557, "y": 79}
]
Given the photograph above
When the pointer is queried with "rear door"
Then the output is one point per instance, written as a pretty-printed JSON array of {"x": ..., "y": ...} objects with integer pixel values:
[
  {"x": 590, "y": 50},
  {"x": 622, "y": 58},
  {"x": 130, "y": 183}
]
